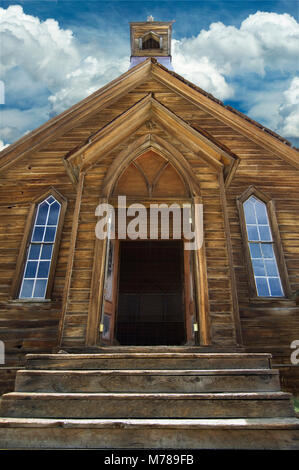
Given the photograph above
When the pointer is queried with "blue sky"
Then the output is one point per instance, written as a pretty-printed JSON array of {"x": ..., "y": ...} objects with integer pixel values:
[{"x": 56, "y": 52}]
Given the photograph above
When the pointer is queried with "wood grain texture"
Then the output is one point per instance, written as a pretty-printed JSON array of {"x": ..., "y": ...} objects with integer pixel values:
[{"x": 177, "y": 122}]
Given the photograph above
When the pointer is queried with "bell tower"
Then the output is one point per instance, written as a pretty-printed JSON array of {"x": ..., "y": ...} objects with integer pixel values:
[{"x": 151, "y": 39}]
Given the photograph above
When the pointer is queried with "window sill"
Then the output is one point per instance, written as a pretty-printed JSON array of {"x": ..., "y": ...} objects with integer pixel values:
[
  {"x": 269, "y": 299},
  {"x": 30, "y": 301}
]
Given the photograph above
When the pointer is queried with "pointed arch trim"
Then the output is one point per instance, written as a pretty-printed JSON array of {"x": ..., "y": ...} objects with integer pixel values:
[{"x": 162, "y": 148}]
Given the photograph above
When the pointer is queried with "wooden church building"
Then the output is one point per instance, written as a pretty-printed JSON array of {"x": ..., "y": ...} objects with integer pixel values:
[{"x": 139, "y": 342}]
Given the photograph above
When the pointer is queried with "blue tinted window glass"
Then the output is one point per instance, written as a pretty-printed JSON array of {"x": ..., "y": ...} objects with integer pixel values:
[
  {"x": 34, "y": 251},
  {"x": 54, "y": 213},
  {"x": 255, "y": 250},
  {"x": 30, "y": 269},
  {"x": 258, "y": 267},
  {"x": 262, "y": 286},
  {"x": 43, "y": 269},
  {"x": 38, "y": 262},
  {"x": 26, "y": 289},
  {"x": 42, "y": 214},
  {"x": 275, "y": 287},
  {"x": 249, "y": 212},
  {"x": 262, "y": 254},
  {"x": 265, "y": 233},
  {"x": 40, "y": 288},
  {"x": 261, "y": 213},
  {"x": 271, "y": 267},
  {"x": 47, "y": 252},
  {"x": 267, "y": 250},
  {"x": 50, "y": 234},
  {"x": 38, "y": 234},
  {"x": 252, "y": 232}
]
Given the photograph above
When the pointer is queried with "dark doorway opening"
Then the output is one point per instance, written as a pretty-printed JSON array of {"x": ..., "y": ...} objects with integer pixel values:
[{"x": 150, "y": 297}]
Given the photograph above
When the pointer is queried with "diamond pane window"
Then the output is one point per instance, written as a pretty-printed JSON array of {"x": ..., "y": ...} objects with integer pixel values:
[
  {"x": 261, "y": 247},
  {"x": 39, "y": 255}
]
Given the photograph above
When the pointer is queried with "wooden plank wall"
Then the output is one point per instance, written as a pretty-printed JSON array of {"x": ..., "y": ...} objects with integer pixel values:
[
  {"x": 266, "y": 325},
  {"x": 223, "y": 332},
  {"x": 270, "y": 325},
  {"x": 34, "y": 327},
  {"x": 28, "y": 327}
]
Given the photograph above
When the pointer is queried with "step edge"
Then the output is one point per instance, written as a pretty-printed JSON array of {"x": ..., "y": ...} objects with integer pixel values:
[
  {"x": 158, "y": 372},
  {"x": 126, "y": 355},
  {"x": 166, "y": 423},
  {"x": 275, "y": 395}
]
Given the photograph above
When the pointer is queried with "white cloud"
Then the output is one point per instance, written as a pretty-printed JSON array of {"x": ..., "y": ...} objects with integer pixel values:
[
  {"x": 41, "y": 61},
  {"x": 2, "y": 145},
  {"x": 252, "y": 64},
  {"x": 16, "y": 122},
  {"x": 46, "y": 68},
  {"x": 200, "y": 69},
  {"x": 264, "y": 41},
  {"x": 290, "y": 110}
]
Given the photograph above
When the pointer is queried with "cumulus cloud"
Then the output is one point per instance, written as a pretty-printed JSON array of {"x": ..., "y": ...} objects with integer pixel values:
[
  {"x": 264, "y": 41},
  {"x": 45, "y": 65},
  {"x": 251, "y": 65},
  {"x": 289, "y": 111},
  {"x": 200, "y": 69},
  {"x": 47, "y": 68}
]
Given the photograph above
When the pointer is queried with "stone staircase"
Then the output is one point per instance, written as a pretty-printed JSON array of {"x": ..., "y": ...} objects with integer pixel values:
[{"x": 148, "y": 398}]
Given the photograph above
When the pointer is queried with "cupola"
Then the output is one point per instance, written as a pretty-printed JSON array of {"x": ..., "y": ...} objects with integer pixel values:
[{"x": 151, "y": 39}]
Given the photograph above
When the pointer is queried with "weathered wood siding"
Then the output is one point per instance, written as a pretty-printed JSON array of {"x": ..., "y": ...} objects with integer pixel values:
[
  {"x": 266, "y": 325},
  {"x": 219, "y": 282},
  {"x": 29, "y": 327}
]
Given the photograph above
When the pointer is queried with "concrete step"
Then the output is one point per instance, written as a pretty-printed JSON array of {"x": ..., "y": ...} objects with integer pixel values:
[
  {"x": 151, "y": 360},
  {"x": 252, "y": 433},
  {"x": 147, "y": 405},
  {"x": 181, "y": 381}
]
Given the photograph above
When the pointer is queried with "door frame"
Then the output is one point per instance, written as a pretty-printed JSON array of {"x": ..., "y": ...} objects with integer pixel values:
[
  {"x": 188, "y": 288},
  {"x": 109, "y": 304},
  {"x": 200, "y": 327},
  {"x": 185, "y": 282}
]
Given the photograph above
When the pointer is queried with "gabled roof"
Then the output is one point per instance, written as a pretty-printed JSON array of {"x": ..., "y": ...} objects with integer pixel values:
[{"x": 114, "y": 90}]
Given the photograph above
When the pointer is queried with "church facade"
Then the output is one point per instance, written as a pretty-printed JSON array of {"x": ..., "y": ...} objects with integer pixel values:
[{"x": 148, "y": 138}]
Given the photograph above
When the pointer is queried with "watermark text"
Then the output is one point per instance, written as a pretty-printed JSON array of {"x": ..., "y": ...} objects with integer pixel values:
[
  {"x": 2, "y": 352},
  {"x": 295, "y": 354},
  {"x": 160, "y": 221}
]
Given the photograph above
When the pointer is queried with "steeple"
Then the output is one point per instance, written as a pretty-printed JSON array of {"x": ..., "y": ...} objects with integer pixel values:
[{"x": 151, "y": 39}]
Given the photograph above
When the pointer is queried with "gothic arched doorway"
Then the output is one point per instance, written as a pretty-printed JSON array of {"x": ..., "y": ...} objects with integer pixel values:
[{"x": 148, "y": 289}]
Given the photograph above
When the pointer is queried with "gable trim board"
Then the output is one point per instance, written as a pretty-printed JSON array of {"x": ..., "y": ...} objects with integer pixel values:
[{"x": 129, "y": 121}]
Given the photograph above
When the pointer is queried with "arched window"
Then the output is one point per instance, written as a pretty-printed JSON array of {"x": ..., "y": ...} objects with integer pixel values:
[
  {"x": 260, "y": 240},
  {"x": 39, "y": 249},
  {"x": 263, "y": 246}
]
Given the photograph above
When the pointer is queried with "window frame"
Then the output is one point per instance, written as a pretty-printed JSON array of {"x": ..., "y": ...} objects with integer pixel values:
[
  {"x": 277, "y": 245},
  {"x": 25, "y": 244}
]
